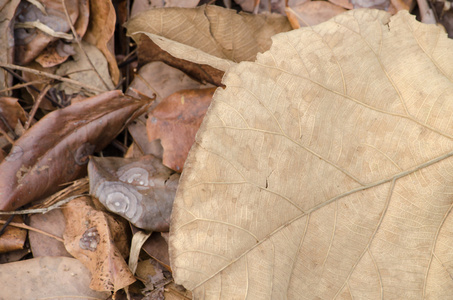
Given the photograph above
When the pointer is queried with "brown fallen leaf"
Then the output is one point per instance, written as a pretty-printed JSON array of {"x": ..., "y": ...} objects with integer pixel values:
[
  {"x": 211, "y": 36},
  {"x": 92, "y": 237},
  {"x": 205, "y": 73},
  {"x": 11, "y": 116},
  {"x": 52, "y": 222},
  {"x": 36, "y": 27},
  {"x": 159, "y": 80},
  {"x": 55, "y": 150},
  {"x": 47, "y": 278},
  {"x": 175, "y": 121},
  {"x": 156, "y": 247},
  {"x": 7, "y": 11},
  {"x": 100, "y": 33},
  {"x": 323, "y": 170},
  {"x": 80, "y": 69},
  {"x": 140, "y": 190},
  {"x": 55, "y": 54},
  {"x": 59, "y": 51},
  {"x": 13, "y": 238}
]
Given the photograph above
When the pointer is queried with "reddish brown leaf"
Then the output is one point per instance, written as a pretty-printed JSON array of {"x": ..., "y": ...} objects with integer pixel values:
[
  {"x": 11, "y": 112},
  {"x": 90, "y": 237},
  {"x": 140, "y": 190},
  {"x": 13, "y": 238},
  {"x": 161, "y": 80},
  {"x": 55, "y": 150},
  {"x": 176, "y": 121},
  {"x": 55, "y": 54}
]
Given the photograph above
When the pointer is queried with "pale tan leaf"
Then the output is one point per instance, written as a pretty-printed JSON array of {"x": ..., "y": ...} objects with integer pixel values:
[
  {"x": 47, "y": 278},
  {"x": 222, "y": 35},
  {"x": 324, "y": 169}
]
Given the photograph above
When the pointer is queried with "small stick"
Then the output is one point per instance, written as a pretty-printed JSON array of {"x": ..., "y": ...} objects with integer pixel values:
[
  {"x": 53, "y": 76},
  {"x": 36, "y": 105},
  {"x": 40, "y": 210},
  {"x": 23, "y": 226}
]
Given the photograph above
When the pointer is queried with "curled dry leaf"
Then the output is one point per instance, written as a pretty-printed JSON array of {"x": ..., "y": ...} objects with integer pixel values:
[
  {"x": 175, "y": 121},
  {"x": 31, "y": 41},
  {"x": 100, "y": 33},
  {"x": 324, "y": 169},
  {"x": 157, "y": 247},
  {"x": 211, "y": 35},
  {"x": 99, "y": 242},
  {"x": 55, "y": 150},
  {"x": 140, "y": 190},
  {"x": 59, "y": 51}
]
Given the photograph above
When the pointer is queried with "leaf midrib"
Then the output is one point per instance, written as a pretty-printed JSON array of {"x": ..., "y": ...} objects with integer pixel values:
[{"x": 321, "y": 205}]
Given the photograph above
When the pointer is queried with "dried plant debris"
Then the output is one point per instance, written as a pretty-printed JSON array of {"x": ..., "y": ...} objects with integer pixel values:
[{"x": 140, "y": 190}]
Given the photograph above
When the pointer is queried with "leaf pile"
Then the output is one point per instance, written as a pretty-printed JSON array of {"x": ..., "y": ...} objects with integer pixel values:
[{"x": 321, "y": 169}]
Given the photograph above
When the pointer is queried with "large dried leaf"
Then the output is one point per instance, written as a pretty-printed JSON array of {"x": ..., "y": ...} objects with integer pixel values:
[
  {"x": 324, "y": 169},
  {"x": 222, "y": 35},
  {"x": 47, "y": 278},
  {"x": 55, "y": 150}
]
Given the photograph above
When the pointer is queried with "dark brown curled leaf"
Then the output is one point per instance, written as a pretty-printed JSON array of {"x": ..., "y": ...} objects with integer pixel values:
[{"x": 55, "y": 149}]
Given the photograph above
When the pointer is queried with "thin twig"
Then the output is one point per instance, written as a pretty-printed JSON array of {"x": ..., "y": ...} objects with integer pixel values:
[
  {"x": 36, "y": 105},
  {"x": 10, "y": 129},
  {"x": 18, "y": 77},
  {"x": 24, "y": 226},
  {"x": 77, "y": 38},
  {"x": 5, "y": 134},
  {"x": 22, "y": 85},
  {"x": 40, "y": 210},
  {"x": 53, "y": 76},
  {"x": 5, "y": 224}
]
